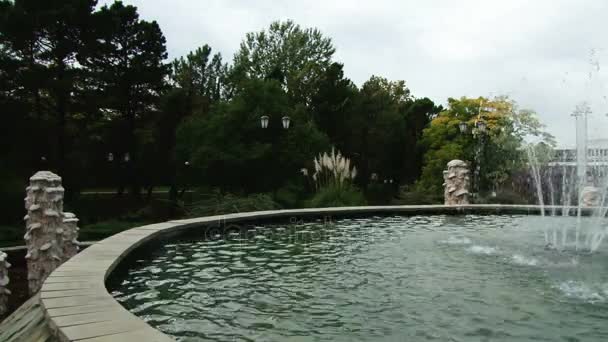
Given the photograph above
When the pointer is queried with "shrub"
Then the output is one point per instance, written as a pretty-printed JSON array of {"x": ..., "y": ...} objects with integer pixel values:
[
  {"x": 337, "y": 196},
  {"x": 379, "y": 193},
  {"x": 504, "y": 197},
  {"x": 291, "y": 195},
  {"x": 12, "y": 191},
  {"x": 102, "y": 230},
  {"x": 11, "y": 235},
  {"x": 332, "y": 170},
  {"x": 417, "y": 198},
  {"x": 156, "y": 210},
  {"x": 218, "y": 203},
  {"x": 332, "y": 178}
]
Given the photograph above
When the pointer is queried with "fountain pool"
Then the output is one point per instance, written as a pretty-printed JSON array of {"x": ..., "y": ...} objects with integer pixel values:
[{"x": 388, "y": 278}]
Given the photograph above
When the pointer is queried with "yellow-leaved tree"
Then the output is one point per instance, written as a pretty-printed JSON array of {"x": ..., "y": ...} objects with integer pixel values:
[{"x": 493, "y": 153}]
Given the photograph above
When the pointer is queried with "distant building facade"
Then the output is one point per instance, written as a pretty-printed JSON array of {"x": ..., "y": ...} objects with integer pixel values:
[{"x": 596, "y": 160}]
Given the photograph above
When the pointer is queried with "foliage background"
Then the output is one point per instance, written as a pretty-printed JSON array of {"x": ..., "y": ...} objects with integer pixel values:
[{"x": 88, "y": 92}]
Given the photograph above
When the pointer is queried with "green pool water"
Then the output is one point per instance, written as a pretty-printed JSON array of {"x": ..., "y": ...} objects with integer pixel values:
[{"x": 421, "y": 278}]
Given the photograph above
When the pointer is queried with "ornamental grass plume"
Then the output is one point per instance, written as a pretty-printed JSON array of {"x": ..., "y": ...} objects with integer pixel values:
[{"x": 331, "y": 169}]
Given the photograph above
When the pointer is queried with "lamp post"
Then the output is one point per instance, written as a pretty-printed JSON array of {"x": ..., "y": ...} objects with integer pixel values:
[
  {"x": 581, "y": 113},
  {"x": 187, "y": 180},
  {"x": 264, "y": 122},
  {"x": 478, "y": 131},
  {"x": 286, "y": 121},
  {"x": 481, "y": 131},
  {"x": 124, "y": 172},
  {"x": 43, "y": 165},
  {"x": 110, "y": 160},
  {"x": 463, "y": 127},
  {"x": 481, "y": 126}
]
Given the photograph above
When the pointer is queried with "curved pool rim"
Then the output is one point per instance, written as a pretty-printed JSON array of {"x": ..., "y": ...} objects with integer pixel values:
[{"x": 78, "y": 306}]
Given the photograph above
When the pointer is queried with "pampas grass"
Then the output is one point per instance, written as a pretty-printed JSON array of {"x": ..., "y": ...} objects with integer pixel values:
[{"x": 332, "y": 169}]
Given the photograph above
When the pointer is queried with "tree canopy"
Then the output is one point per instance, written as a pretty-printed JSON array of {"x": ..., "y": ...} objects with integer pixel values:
[
  {"x": 104, "y": 106},
  {"x": 498, "y": 150},
  {"x": 294, "y": 56}
]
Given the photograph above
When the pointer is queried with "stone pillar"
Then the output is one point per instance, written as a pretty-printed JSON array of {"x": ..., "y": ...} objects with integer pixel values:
[
  {"x": 44, "y": 227},
  {"x": 70, "y": 235},
  {"x": 4, "y": 280},
  {"x": 456, "y": 183},
  {"x": 591, "y": 197}
]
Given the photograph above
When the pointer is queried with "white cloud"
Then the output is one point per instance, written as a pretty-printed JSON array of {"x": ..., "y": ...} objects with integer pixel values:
[{"x": 538, "y": 51}]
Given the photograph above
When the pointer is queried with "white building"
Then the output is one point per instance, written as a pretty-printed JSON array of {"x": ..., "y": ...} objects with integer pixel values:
[{"x": 596, "y": 160}]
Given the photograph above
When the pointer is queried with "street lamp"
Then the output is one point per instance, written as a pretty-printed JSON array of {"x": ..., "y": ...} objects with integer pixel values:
[
  {"x": 286, "y": 121},
  {"x": 479, "y": 131},
  {"x": 481, "y": 126},
  {"x": 463, "y": 127},
  {"x": 264, "y": 121},
  {"x": 187, "y": 176},
  {"x": 110, "y": 159}
]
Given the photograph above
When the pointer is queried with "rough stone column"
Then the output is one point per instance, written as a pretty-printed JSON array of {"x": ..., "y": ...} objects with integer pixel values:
[
  {"x": 44, "y": 227},
  {"x": 70, "y": 235},
  {"x": 4, "y": 280},
  {"x": 456, "y": 183},
  {"x": 591, "y": 197}
]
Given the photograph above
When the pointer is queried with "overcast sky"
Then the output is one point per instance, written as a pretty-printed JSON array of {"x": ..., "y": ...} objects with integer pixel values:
[{"x": 538, "y": 52}]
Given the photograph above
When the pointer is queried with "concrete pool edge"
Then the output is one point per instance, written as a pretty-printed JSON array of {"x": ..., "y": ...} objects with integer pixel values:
[{"x": 77, "y": 304}]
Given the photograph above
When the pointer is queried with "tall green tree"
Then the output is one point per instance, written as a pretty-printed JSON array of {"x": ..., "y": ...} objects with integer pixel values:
[
  {"x": 378, "y": 125},
  {"x": 125, "y": 59},
  {"x": 288, "y": 53},
  {"x": 44, "y": 38},
  {"x": 197, "y": 81},
  {"x": 418, "y": 115},
  {"x": 175, "y": 107},
  {"x": 229, "y": 149},
  {"x": 333, "y": 104},
  {"x": 201, "y": 76}
]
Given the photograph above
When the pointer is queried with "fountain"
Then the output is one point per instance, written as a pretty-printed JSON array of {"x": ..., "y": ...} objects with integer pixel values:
[
  {"x": 454, "y": 272},
  {"x": 374, "y": 278},
  {"x": 391, "y": 277},
  {"x": 588, "y": 186}
]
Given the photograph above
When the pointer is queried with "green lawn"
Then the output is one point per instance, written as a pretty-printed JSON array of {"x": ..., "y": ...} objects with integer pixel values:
[
  {"x": 101, "y": 230},
  {"x": 105, "y": 190},
  {"x": 13, "y": 235}
]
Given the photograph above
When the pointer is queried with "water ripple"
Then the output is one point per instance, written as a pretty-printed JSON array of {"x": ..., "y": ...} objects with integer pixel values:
[{"x": 419, "y": 278}]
